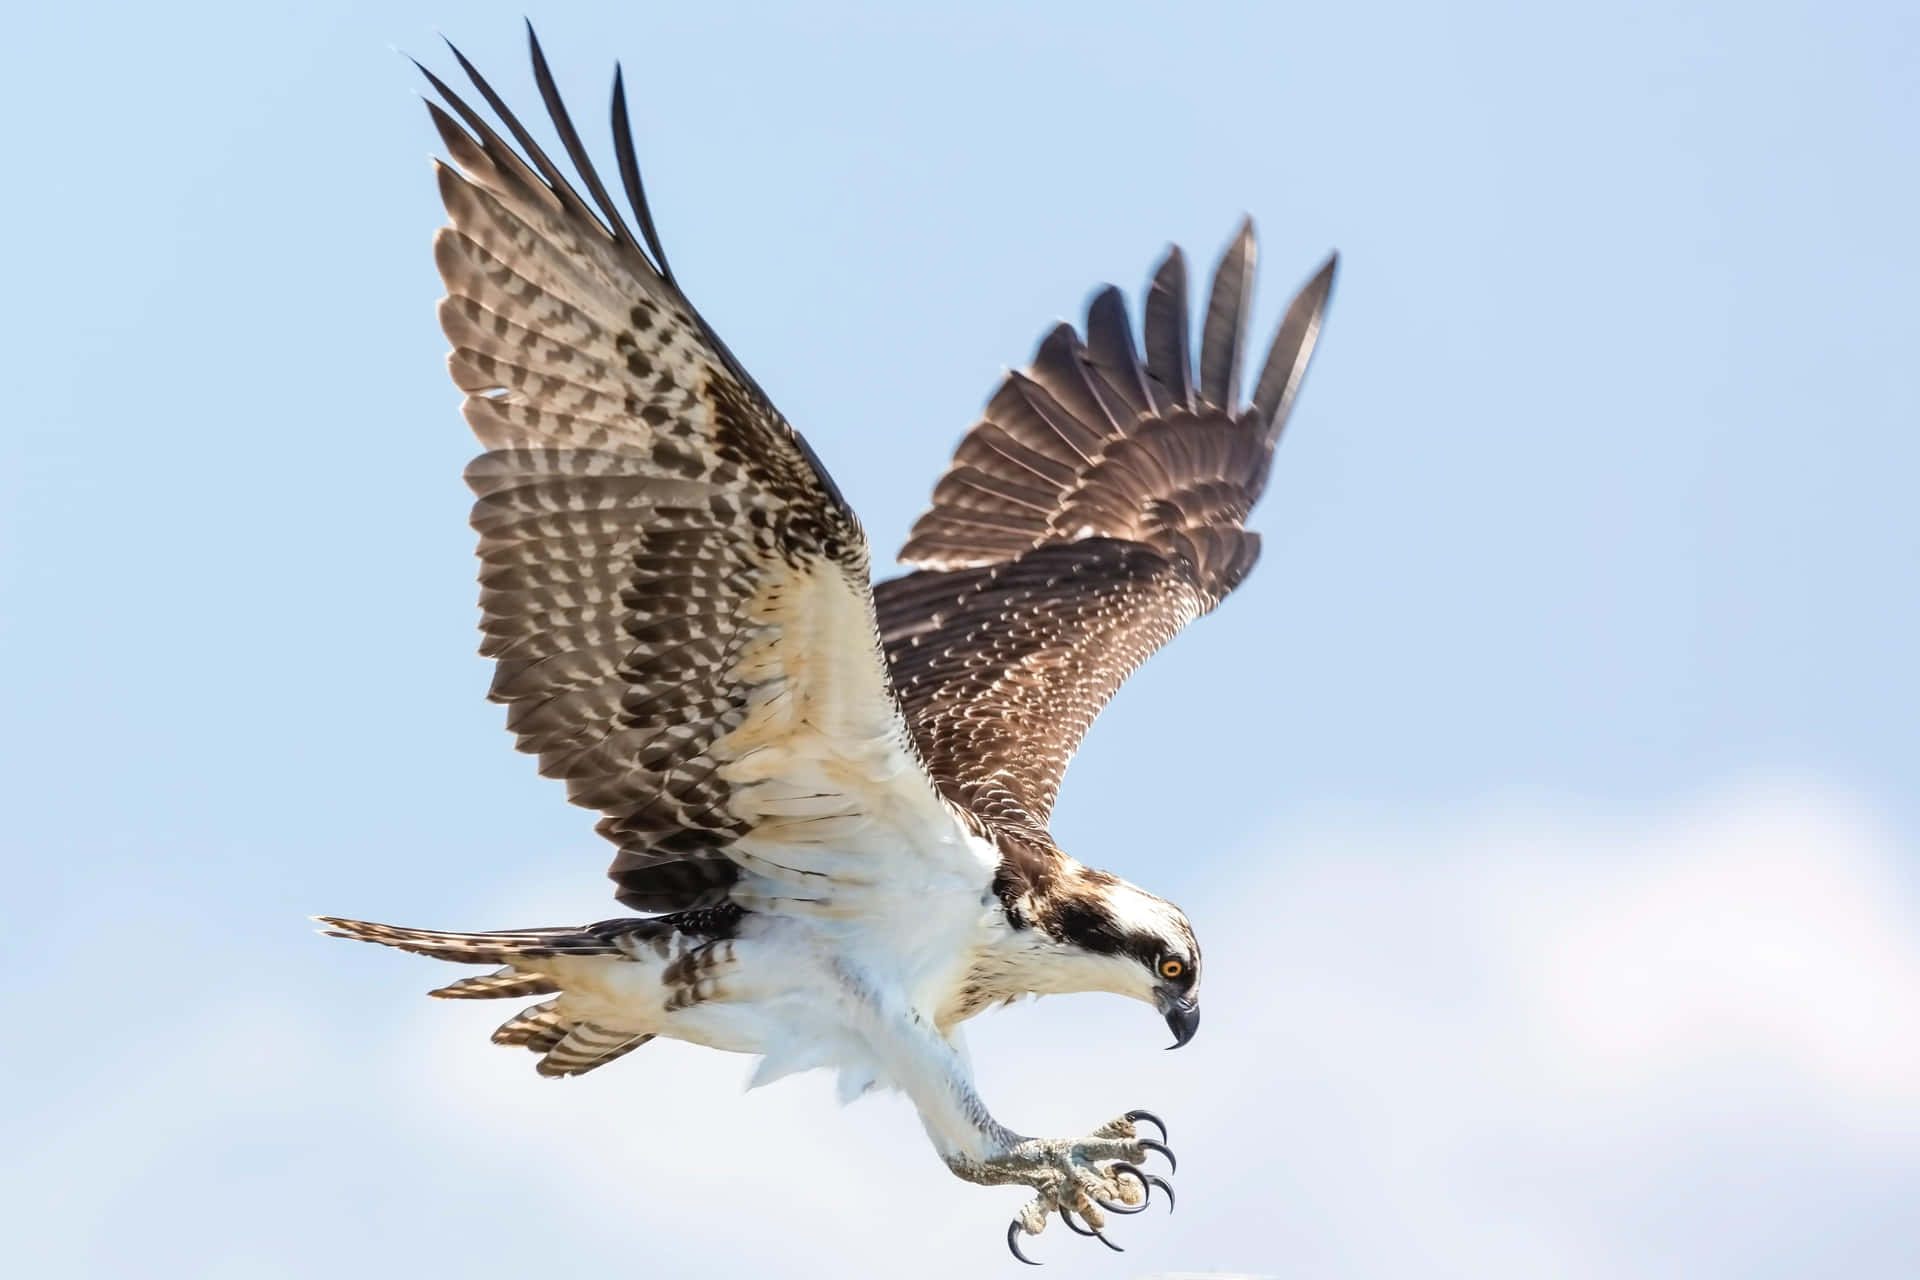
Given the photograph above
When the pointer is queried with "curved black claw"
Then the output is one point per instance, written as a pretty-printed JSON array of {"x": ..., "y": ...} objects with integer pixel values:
[
  {"x": 1013, "y": 1243},
  {"x": 1066, "y": 1216},
  {"x": 1173, "y": 1166},
  {"x": 1137, "y": 1116},
  {"x": 1120, "y": 1167},
  {"x": 1148, "y": 1181},
  {"x": 1155, "y": 1180}
]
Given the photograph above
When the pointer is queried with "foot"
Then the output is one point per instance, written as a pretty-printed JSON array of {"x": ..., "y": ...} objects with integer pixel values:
[{"x": 1089, "y": 1177}]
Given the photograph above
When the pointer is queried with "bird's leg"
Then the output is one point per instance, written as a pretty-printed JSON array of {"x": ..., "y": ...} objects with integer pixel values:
[{"x": 1089, "y": 1177}]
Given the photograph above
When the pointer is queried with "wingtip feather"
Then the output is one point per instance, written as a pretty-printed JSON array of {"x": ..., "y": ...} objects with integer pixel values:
[
  {"x": 1223, "y": 339},
  {"x": 1168, "y": 363},
  {"x": 1292, "y": 349}
]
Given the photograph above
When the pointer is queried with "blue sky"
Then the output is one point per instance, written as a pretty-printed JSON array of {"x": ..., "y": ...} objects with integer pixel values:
[{"x": 1545, "y": 800}]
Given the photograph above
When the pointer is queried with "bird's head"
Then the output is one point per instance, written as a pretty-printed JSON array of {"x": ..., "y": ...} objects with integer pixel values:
[{"x": 1122, "y": 939}]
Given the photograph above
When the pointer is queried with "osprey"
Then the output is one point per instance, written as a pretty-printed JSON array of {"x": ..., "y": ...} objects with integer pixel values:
[{"x": 829, "y": 797}]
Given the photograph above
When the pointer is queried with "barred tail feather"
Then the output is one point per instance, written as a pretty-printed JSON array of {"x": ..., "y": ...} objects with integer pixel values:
[
  {"x": 587, "y": 1046},
  {"x": 503, "y": 947},
  {"x": 538, "y": 1027},
  {"x": 501, "y": 984},
  {"x": 567, "y": 1046}
]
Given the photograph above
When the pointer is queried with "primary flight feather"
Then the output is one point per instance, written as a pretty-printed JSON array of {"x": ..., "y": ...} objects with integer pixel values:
[{"x": 830, "y": 797}]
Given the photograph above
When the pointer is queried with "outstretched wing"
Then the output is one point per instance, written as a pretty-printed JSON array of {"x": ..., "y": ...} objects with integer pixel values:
[
  {"x": 674, "y": 592},
  {"x": 1096, "y": 509}
]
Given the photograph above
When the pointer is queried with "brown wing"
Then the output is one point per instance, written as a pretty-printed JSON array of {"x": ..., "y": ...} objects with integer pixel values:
[
  {"x": 1096, "y": 509},
  {"x": 674, "y": 591}
]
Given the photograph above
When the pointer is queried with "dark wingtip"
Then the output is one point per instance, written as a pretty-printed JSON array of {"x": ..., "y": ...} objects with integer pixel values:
[
  {"x": 1106, "y": 297},
  {"x": 1292, "y": 349},
  {"x": 454, "y": 49},
  {"x": 1244, "y": 240},
  {"x": 1167, "y": 345},
  {"x": 1223, "y": 335},
  {"x": 629, "y": 164},
  {"x": 1110, "y": 346},
  {"x": 1324, "y": 277},
  {"x": 534, "y": 50}
]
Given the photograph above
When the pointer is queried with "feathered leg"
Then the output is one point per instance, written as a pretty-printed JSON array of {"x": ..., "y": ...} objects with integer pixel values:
[{"x": 1089, "y": 1177}]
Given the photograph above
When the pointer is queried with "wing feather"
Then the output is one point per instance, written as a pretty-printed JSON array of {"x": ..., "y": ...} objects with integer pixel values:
[
  {"x": 1096, "y": 510},
  {"x": 1168, "y": 372},
  {"x": 1110, "y": 351},
  {"x": 1292, "y": 350},
  {"x": 674, "y": 591},
  {"x": 1223, "y": 338}
]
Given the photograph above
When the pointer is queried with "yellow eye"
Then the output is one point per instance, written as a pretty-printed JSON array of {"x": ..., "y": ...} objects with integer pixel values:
[{"x": 1172, "y": 968}]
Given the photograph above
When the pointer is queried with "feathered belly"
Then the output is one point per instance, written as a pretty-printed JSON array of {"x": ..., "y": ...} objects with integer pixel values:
[{"x": 802, "y": 994}]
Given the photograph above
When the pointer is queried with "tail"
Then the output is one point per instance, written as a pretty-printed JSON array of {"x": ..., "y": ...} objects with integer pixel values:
[
  {"x": 568, "y": 1046},
  {"x": 504, "y": 947}
]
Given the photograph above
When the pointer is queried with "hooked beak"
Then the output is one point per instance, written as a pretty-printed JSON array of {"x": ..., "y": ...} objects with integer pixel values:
[{"x": 1183, "y": 1019}]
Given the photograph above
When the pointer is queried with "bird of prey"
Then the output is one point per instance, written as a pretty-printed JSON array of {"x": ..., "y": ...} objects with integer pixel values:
[{"x": 829, "y": 797}]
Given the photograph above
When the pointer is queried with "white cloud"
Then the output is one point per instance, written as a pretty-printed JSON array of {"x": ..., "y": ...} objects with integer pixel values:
[
  {"x": 1547, "y": 1044},
  {"x": 1767, "y": 936},
  {"x": 1535, "y": 1044}
]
